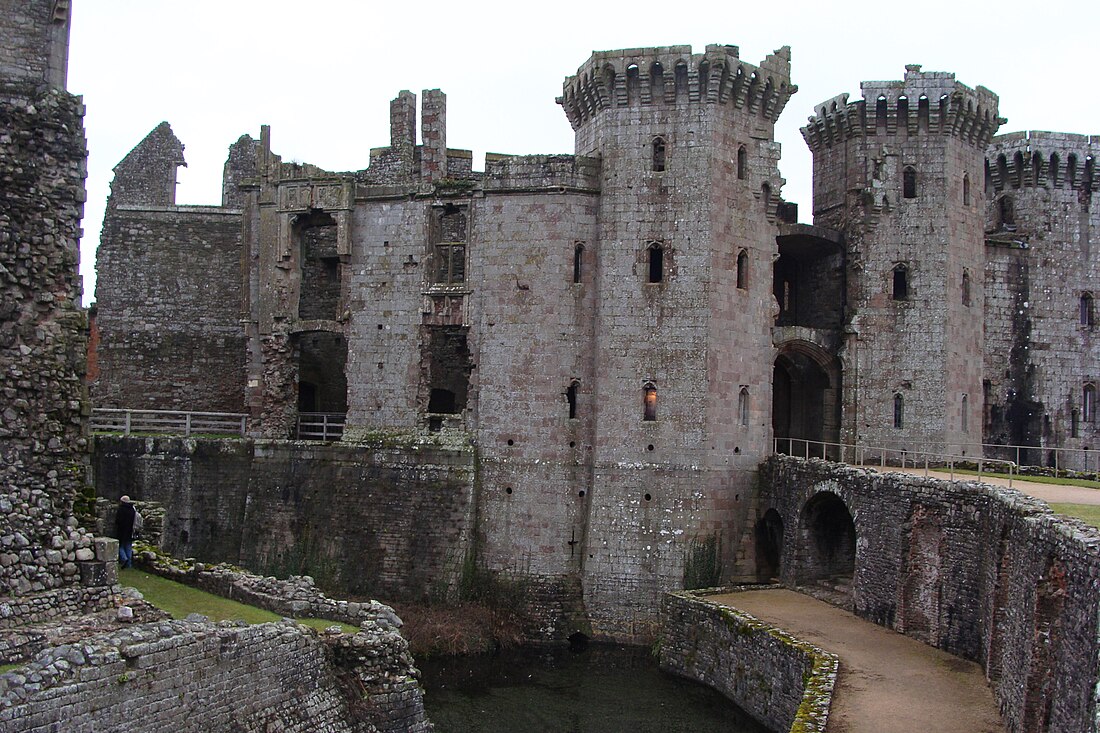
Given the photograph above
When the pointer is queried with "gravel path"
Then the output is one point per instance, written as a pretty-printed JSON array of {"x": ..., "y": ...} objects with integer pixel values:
[
  {"x": 1050, "y": 493},
  {"x": 888, "y": 683}
]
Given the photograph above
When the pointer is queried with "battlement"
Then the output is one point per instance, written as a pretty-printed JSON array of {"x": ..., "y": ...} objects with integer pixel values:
[
  {"x": 1040, "y": 159},
  {"x": 672, "y": 75},
  {"x": 925, "y": 102}
]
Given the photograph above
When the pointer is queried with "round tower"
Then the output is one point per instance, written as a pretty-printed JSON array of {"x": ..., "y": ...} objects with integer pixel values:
[
  {"x": 689, "y": 195},
  {"x": 899, "y": 172}
]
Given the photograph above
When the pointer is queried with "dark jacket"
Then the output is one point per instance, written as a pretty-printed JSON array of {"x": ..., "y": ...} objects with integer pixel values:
[{"x": 124, "y": 523}]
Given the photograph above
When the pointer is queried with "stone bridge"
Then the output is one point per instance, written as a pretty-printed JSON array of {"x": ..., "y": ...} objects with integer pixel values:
[{"x": 984, "y": 573}]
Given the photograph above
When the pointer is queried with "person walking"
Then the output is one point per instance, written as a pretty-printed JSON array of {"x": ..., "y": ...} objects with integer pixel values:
[{"x": 124, "y": 531}]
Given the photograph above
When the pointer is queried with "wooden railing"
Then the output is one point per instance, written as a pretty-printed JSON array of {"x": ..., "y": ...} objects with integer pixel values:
[
  {"x": 172, "y": 422},
  {"x": 320, "y": 425}
]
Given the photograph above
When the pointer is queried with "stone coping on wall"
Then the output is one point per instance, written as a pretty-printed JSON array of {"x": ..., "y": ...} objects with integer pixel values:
[{"x": 751, "y": 658}]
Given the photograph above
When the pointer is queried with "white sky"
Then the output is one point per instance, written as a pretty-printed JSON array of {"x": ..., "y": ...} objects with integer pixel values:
[{"x": 322, "y": 73}]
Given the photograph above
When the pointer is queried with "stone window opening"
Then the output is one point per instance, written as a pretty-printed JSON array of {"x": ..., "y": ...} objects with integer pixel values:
[
  {"x": 571, "y": 398},
  {"x": 655, "y": 254},
  {"x": 966, "y": 288},
  {"x": 657, "y": 82},
  {"x": 742, "y": 163},
  {"x": 680, "y": 81},
  {"x": 649, "y": 402},
  {"x": 1018, "y": 173},
  {"x": 743, "y": 406},
  {"x": 901, "y": 283},
  {"x": 1075, "y": 423},
  {"x": 445, "y": 369},
  {"x": 1088, "y": 403},
  {"x": 1071, "y": 170},
  {"x": 1006, "y": 213},
  {"x": 766, "y": 195},
  {"x": 578, "y": 262},
  {"x": 1036, "y": 168},
  {"x": 1054, "y": 169},
  {"x": 320, "y": 286},
  {"x": 1085, "y": 315},
  {"x": 660, "y": 151},
  {"x": 966, "y": 189},
  {"x": 743, "y": 269},
  {"x": 449, "y": 225},
  {"x": 909, "y": 182},
  {"x": 965, "y": 409},
  {"x": 899, "y": 411}
]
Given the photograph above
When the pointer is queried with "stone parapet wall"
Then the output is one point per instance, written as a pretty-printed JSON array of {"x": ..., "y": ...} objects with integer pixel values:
[
  {"x": 197, "y": 676},
  {"x": 985, "y": 573},
  {"x": 504, "y": 172},
  {"x": 785, "y": 683}
]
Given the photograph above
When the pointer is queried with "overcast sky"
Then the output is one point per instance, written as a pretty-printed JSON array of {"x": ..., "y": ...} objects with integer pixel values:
[{"x": 322, "y": 73}]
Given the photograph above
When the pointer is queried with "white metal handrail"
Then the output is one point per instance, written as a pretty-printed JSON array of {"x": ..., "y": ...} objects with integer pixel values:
[
  {"x": 880, "y": 456},
  {"x": 173, "y": 422}
]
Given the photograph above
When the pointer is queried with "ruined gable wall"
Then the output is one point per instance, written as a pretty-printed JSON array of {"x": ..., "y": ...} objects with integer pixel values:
[
  {"x": 42, "y": 339},
  {"x": 1038, "y": 354},
  {"x": 985, "y": 573},
  {"x": 168, "y": 288}
]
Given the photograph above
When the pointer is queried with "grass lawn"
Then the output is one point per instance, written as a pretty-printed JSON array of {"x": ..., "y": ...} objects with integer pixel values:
[
  {"x": 9, "y": 667},
  {"x": 1087, "y": 483},
  {"x": 179, "y": 600},
  {"x": 1086, "y": 512}
]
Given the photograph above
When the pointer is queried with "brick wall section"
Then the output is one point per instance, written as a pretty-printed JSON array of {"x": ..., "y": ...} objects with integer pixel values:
[
  {"x": 781, "y": 681},
  {"x": 388, "y": 521},
  {"x": 168, "y": 299},
  {"x": 192, "y": 676},
  {"x": 988, "y": 574},
  {"x": 42, "y": 338},
  {"x": 1037, "y": 268}
]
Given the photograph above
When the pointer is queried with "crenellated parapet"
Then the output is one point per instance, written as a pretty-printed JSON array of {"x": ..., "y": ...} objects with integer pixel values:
[
  {"x": 672, "y": 75},
  {"x": 924, "y": 103},
  {"x": 1043, "y": 160}
]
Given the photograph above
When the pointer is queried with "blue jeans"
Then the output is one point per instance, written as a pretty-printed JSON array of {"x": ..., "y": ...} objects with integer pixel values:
[{"x": 125, "y": 554}]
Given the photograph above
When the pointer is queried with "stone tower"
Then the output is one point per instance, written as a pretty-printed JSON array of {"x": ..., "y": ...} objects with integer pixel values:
[
  {"x": 900, "y": 174},
  {"x": 689, "y": 194}
]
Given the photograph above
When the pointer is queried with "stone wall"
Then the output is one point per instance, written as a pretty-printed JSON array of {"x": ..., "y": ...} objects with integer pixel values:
[
  {"x": 383, "y": 520},
  {"x": 35, "y": 44},
  {"x": 988, "y": 574},
  {"x": 42, "y": 336},
  {"x": 783, "y": 682},
  {"x": 196, "y": 676}
]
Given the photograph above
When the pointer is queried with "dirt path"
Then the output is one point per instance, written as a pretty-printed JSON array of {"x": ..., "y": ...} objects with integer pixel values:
[
  {"x": 888, "y": 683},
  {"x": 1050, "y": 493}
]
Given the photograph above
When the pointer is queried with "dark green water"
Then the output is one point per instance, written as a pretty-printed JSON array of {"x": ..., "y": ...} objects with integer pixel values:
[{"x": 602, "y": 689}]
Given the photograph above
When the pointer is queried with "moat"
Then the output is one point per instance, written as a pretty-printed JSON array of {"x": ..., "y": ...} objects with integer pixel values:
[{"x": 600, "y": 689}]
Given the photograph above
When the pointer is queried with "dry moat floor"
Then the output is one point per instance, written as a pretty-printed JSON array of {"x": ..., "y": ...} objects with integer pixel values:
[{"x": 888, "y": 683}]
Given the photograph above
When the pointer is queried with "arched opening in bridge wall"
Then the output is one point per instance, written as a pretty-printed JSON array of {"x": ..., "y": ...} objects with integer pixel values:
[
  {"x": 805, "y": 400},
  {"x": 769, "y": 546},
  {"x": 1046, "y": 642},
  {"x": 828, "y": 543}
]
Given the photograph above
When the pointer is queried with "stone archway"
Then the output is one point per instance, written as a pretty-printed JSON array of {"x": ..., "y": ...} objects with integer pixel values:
[
  {"x": 805, "y": 399},
  {"x": 827, "y": 551},
  {"x": 769, "y": 546}
]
